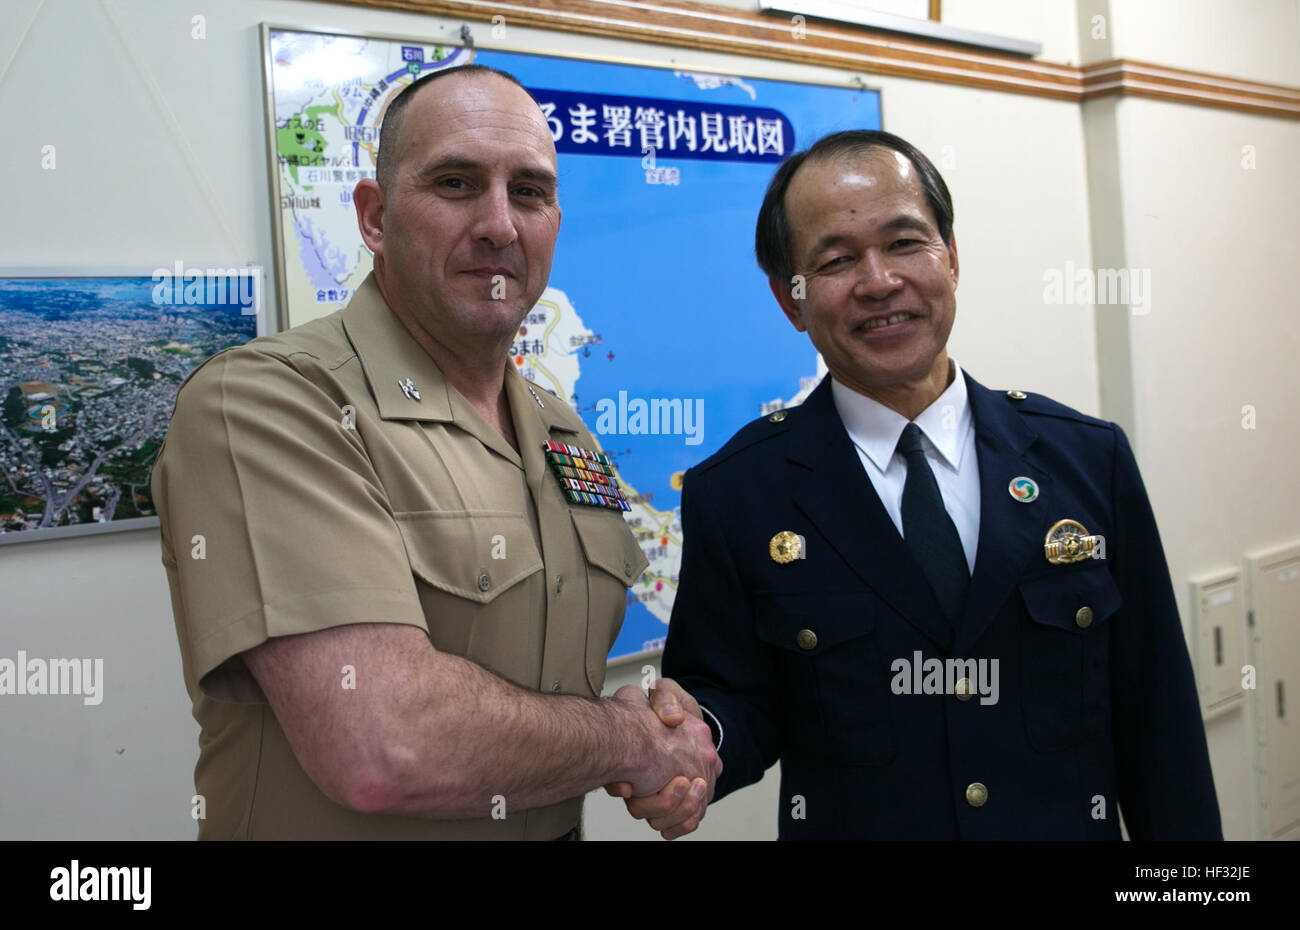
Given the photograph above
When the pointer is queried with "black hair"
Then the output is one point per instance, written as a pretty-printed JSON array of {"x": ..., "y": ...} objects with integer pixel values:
[{"x": 772, "y": 245}]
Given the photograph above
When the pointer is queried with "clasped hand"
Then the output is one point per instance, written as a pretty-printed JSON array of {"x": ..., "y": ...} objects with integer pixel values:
[{"x": 687, "y": 757}]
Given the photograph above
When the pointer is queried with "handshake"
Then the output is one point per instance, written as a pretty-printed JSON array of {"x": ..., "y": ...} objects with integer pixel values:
[{"x": 673, "y": 792}]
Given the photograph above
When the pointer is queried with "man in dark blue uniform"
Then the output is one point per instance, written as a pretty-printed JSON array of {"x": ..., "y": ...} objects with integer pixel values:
[{"x": 944, "y": 609}]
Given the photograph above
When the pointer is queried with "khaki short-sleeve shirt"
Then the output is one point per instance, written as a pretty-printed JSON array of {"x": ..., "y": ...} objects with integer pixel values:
[{"x": 330, "y": 475}]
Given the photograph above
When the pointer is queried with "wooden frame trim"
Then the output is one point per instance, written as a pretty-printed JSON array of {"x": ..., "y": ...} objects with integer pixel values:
[
  {"x": 1140, "y": 79},
  {"x": 723, "y": 29}
]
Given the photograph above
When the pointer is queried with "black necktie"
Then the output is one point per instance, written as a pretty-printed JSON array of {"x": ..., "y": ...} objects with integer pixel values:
[{"x": 928, "y": 530}]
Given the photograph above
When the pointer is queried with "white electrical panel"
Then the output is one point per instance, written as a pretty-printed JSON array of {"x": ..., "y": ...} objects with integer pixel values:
[
  {"x": 1219, "y": 641},
  {"x": 1273, "y": 584}
]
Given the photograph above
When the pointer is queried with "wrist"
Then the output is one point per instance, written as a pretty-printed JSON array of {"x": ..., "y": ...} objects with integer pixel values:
[{"x": 627, "y": 741}]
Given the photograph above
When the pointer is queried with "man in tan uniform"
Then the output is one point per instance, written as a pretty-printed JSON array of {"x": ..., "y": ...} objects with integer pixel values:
[{"x": 393, "y": 623}]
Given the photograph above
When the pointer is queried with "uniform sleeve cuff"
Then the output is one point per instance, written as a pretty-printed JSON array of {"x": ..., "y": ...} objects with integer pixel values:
[{"x": 715, "y": 727}]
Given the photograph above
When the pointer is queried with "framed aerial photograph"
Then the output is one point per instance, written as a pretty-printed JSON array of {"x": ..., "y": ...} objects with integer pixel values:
[{"x": 90, "y": 362}]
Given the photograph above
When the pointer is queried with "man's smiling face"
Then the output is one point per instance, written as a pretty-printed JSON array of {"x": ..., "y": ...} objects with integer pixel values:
[
  {"x": 880, "y": 283},
  {"x": 470, "y": 224}
]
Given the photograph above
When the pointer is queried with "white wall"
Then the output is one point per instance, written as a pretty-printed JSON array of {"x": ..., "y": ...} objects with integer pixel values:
[
  {"x": 161, "y": 157},
  {"x": 1222, "y": 335},
  {"x": 122, "y": 769},
  {"x": 1048, "y": 22},
  {"x": 1173, "y": 191},
  {"x": 1255, "y": 40}
]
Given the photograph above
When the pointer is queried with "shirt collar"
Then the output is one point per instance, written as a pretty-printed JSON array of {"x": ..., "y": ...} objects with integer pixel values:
[
  {"x": 390, "y": 356},
  {"x": 875, "y": 429}
]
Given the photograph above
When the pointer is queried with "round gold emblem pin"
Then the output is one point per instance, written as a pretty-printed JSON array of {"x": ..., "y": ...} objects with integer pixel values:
[{"x": 785, "y": 547}]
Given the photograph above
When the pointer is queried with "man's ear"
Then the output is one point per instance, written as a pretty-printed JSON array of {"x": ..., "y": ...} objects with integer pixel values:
[
  {"x": 784, "y": 292},
  {"x": 368, "y": 199},
  {"x": 953, "y": 267}
]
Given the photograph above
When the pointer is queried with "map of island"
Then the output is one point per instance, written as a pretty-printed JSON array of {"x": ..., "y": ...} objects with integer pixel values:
[{"x": 552, "y": 341}]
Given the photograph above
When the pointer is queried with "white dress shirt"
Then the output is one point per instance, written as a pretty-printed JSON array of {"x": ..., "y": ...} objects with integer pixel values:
[{"x": 949, "y": 442}]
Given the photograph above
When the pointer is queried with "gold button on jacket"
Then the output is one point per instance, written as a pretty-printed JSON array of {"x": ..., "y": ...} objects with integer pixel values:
[{"x": 327, "y": 495}]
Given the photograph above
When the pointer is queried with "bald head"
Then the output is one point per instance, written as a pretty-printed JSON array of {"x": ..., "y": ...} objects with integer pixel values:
[
  {"x": 463, "y": 219},
  {"x": 390, "y": 131}
]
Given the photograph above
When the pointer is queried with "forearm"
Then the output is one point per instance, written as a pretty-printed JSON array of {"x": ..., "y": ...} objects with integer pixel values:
[{"x": 467, "y": 736}]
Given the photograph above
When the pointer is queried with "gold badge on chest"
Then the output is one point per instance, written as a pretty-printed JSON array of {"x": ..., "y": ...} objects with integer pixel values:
[
  {"x": 785, "y": 547},
  {"x": 1068, "y": 542}
]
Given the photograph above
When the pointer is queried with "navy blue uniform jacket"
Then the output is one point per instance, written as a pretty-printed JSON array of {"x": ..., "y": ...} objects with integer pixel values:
[{"x": 1087, "y": 718}]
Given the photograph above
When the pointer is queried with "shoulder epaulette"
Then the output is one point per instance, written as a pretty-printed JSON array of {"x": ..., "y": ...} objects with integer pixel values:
[
  {"x": 1040, "y": 405},
  {"x": 761, "y": 430}
]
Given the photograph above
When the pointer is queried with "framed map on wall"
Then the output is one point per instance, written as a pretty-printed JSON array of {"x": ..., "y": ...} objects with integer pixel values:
[{"x": 657, "y": 327}]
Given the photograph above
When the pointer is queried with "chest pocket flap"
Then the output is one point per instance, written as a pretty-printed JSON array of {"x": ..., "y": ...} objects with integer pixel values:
[
  {"x": 787, "y": 620},
  {"x": 608, "y": 544},
  {"x": 471, "y": 554},
  {"x": 1074, "y": 601}
]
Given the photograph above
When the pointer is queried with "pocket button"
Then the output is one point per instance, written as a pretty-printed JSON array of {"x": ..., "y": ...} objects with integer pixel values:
[{"x": 1083, "y": 617}]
